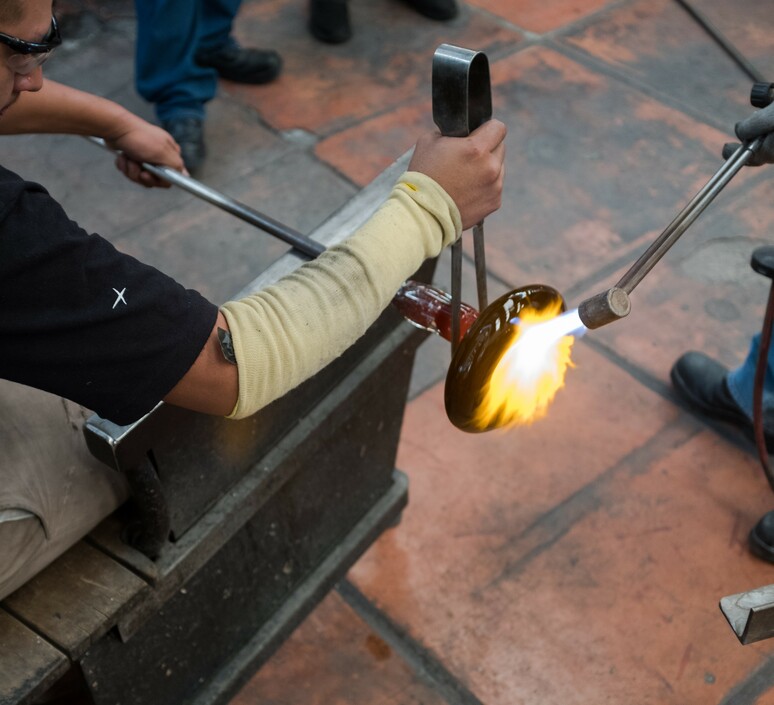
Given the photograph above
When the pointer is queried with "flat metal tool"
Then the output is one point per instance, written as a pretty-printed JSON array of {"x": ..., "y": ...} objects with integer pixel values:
[
  {"x": 462, "y": 101},
  {"x": 750, "y": 614}
]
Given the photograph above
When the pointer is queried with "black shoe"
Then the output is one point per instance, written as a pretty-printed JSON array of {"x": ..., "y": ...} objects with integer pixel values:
[
  {"x": 235, "y": 63},
  {"x": 701, "y": 382},
  {"x": 329, "y": 21},
  {"x": 435, "y": 9},
  {"x": 761, "y": 538},
  {"x": 189, "y": 134}
]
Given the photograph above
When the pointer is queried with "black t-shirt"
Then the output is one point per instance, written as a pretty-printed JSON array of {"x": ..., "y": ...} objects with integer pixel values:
[{"x": 80, "y": 319}]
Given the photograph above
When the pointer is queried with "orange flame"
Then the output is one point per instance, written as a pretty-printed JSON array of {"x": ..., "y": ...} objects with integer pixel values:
[{"x": 531, "y": 370}]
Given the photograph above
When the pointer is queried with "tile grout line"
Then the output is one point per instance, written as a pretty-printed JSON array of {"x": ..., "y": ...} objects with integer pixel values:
[
  {"x": 594, "y": 63},
  {"x": 753, "y": 686},
  {"x": 421, "y": 660}
]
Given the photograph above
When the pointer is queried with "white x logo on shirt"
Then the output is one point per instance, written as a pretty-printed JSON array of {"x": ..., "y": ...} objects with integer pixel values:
[{"x": 120, "y": 298}]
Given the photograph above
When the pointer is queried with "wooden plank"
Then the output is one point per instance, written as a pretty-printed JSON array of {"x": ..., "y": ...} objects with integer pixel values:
[
  {"x": 30, "y": 664},
  {"x": 77, "y": 599},
  {"x": 107, "y": 537}
]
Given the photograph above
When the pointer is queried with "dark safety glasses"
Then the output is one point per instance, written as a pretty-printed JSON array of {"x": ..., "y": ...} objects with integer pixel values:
[{"x": 28, "y": 56}]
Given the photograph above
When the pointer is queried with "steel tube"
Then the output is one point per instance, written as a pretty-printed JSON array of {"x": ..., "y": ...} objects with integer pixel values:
[
  {"x": 305, "y": 245},
  {"x": 479, "y": 258},
  {"x": 687, "y": 216}
]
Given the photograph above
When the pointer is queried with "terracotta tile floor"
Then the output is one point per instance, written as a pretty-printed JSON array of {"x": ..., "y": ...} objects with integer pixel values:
[{"x": 579, "y": 560}]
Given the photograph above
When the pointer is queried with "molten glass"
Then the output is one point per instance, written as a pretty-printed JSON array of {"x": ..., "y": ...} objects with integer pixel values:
[
  {"x": 512, "y": 361},
  {"x": 430, "y": 309}
]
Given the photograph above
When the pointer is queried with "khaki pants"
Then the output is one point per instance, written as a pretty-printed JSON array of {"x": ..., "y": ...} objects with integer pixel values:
[{"x": 52, "y": 491}]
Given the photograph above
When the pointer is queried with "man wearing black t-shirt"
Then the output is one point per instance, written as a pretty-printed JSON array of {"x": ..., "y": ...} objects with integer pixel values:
[
  {"x": 86, "y": 322},
  {"x": 83, "y": 321}
]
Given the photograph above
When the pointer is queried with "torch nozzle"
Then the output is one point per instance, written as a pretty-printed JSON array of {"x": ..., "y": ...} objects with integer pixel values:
[{"x": 604, "y": 308}]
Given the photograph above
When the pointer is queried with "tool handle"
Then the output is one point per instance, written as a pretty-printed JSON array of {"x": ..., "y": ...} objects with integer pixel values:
[{"x": 462, "y": 91}]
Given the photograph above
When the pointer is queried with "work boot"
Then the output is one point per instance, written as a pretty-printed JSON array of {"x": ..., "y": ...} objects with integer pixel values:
[
  {"x": 329, "y": 21},
  {"x": 189, "y": 134},
  {"x": 236, "y": 63},
  {"x": 761, "y": 538},
  {"x": 701, "y": 382},
  {"x": 435, "y": 9}
]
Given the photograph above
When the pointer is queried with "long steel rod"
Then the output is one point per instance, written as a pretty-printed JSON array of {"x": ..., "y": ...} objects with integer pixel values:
[
  {"x": 687, "y": 216},
  {"x": 305, "y": 245},
  {"x": 456, "y": 292},
  {"x": 479, "y": 259}
]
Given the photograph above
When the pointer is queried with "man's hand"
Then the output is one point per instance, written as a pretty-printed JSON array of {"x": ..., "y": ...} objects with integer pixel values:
[
  {"x": 758, "y": 124},
  {"x": 470, "y": 169},
  {"x": 59, "y": 109},
  {"x": 144, "y": 142}
]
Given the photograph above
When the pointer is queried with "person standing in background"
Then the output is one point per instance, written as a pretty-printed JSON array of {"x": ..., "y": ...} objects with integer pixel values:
[
  {"x": 329, "y": 19},
  {"x": 183, "y": 47}
]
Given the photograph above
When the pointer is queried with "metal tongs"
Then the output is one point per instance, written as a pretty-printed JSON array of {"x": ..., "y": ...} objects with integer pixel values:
[{"x": 462, "y": 101}]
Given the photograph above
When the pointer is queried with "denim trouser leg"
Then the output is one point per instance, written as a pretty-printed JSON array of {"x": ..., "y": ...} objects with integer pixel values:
[
  {"x": 217, "y": 19},
  {"x": 168, "y": 35},
  {"x": 741, "y": 381}
]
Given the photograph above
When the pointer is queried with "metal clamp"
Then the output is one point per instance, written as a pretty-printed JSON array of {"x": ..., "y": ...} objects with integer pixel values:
[{"x": 462, "y": 102}]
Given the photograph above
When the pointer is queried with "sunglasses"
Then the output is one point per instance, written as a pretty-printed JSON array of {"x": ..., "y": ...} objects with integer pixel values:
[{"x": 28, "y": 56}]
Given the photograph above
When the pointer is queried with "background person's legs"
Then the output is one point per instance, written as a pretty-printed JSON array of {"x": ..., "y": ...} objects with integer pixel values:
[
  {"x": 218, "y": 49},
  {"x": 167, "y": 75}
]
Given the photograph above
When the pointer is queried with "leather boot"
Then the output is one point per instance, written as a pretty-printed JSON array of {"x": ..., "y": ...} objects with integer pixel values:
[
  {"x": 189, "y": 134},
  {"x": 329, "y": 21},
  {"x": 701, "y": 382},
  {"x": 236, "y": 63}
]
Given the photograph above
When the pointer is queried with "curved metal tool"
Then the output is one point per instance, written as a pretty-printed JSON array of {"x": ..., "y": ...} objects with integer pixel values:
[{"x": 462, "y": 101}]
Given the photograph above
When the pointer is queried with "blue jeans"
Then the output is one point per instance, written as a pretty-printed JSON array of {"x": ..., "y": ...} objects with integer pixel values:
[
  {"x": 169, "y": 33},
  {"x": 742, "y": 380}
]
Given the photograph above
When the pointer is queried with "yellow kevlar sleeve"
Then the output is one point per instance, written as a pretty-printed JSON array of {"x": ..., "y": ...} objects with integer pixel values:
[{"x": 289, "y": 331}]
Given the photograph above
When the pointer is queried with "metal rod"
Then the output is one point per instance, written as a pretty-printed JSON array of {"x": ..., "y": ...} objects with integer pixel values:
[
  {"x": 456, "y": 292},
  {"x": 687, "y": 216},
  {"x": 479, "y": 258},
  {"x": 305, "y": 245}
]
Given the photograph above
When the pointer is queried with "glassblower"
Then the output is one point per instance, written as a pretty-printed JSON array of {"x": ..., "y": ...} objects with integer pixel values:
[{"x": 509, "y": 357}]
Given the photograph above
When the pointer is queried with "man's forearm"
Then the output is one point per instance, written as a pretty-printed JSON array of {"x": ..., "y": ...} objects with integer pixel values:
[
  {"x": 56, "y": 108},
  {"x": 287, "y": 332}
]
